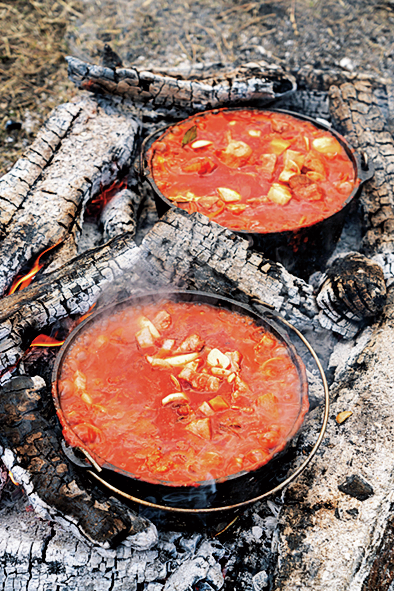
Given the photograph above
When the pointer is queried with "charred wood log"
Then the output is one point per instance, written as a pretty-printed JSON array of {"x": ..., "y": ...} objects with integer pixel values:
[
  {"x": 180, "y": 251},
  {"x": 249, "y": 83},
  {"x": 16, "y": 184},
  {"x": 90, "y": 149},
  {"x": 32, "y": 451},
  {"x": 119, "y": 215},
  {"x": 356, "y": 111},
  {"x": 313, "y": 79}
]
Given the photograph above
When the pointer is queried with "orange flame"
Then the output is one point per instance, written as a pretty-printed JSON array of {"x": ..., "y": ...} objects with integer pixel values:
[
  {"x": 13, "y": 479},
  {"x": 44, "y": 340},
  {"x": 97, "y": 204},
  {"x": 20, "y": 283}
]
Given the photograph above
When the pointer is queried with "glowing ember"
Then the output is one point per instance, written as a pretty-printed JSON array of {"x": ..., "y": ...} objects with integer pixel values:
[
  {"x": 13, "y": 479},
  {"x": 20, "y": 282},
  {"x": 97, "y": 204}
]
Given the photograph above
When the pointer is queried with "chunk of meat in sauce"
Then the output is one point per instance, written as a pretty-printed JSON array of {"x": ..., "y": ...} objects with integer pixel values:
[
  {"x": 162, "y": 320},
  {"x": 201, "y": 382},
  {"x": 201, "y": 166},
  {"x": 236, "y": 154},
  {"x": 191, "y": 343},
  {"x": 241, "y": 388},
  {"x": 279, "y": 126},
  {"x": 304, "y": 188},
  {"x": 314, "y": 162}
]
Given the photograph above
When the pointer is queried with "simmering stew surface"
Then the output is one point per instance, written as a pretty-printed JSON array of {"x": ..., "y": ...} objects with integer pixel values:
[
  {"x": 179, "y": 392},
  {"x": 253, "y": 170}
]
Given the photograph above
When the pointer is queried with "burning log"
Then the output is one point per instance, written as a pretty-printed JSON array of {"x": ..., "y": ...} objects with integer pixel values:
[
  {"x": 70, "y": 290},
  {"x": 181, "y": 250},
  {"x": 245, "y": 84},
  {"x": 33, "y": 453},
  {"x": 86, "y": 146}
]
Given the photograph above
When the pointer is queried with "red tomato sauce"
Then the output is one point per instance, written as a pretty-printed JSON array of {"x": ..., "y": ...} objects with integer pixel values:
[
  {"x": 253, "y": 170},
  {"x": 180, "y": 392}
]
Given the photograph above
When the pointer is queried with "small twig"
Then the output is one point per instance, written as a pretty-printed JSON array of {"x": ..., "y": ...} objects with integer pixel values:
[
  {"x": 227, "y": 526},
  {"x": 292, "y": 17},
  {"x": 257, "y": 19},
  {"x": 184, "y": 49}
]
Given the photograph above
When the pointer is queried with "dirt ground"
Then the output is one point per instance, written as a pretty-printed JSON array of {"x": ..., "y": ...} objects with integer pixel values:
[{"x": 35, "y": 35}]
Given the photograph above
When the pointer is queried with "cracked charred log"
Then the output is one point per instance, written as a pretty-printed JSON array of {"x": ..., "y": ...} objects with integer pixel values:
[
  {"x": 364, "y": 115},
  {"x": 33, "y": 453},
  {"x": 243, "y": 85}
]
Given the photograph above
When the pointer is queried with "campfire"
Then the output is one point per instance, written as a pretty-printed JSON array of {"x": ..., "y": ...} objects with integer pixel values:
[{"x": 81, "y": 232}]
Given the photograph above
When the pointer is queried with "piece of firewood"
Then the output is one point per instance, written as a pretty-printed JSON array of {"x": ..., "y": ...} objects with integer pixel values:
[
  {"x": 351, "y": 290},
  {"x": 118, "y": 216},
  {"x": 56, "y": 489},
  {"x": 16, "y": 184},
  {"x": 99, "y": 143},
  {"x": 358, "y": 115},
  {"x": 247, "y": 83}
]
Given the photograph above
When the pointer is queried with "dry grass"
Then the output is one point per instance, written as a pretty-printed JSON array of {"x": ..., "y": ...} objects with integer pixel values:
[{"x": 33, "y": 73}]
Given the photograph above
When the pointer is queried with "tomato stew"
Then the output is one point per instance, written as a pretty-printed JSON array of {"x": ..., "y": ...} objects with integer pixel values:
[
  {"x": 179, "y": 392},
  {"x": 253, "y": 170}
]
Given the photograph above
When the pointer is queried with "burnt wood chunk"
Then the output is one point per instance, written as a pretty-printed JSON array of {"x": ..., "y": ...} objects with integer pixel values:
[
  {"x": 118, "y": 216},
  {"x": 351, "y": 290},
  {"x": 109, "y": 58},
  {"x": 243, "y": 85},
  {"x": 49, "y": 478},
  {"x": 355, "y": 486},
  {"x": 93, "y": 152}
]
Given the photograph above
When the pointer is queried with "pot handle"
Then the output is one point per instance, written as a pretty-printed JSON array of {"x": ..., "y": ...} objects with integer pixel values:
[
  {"x": 142, "y": 170},
  {"x": 365, "y": 168},
  {"x": 87, "y": 463}
]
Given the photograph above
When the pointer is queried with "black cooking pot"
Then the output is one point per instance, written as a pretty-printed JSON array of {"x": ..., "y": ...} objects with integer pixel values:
[
  {"x": 303, "y": 250},
  {"x": 231, "y": 492}
]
